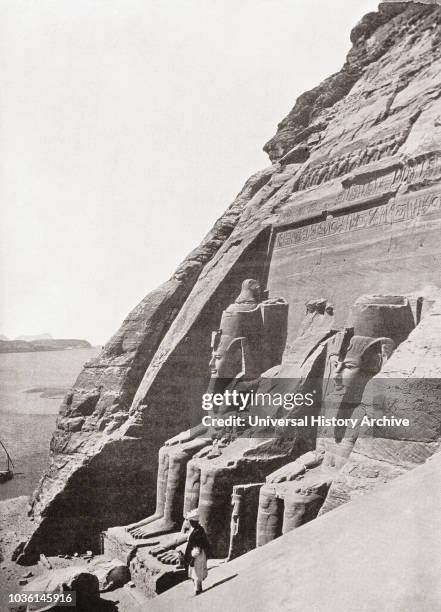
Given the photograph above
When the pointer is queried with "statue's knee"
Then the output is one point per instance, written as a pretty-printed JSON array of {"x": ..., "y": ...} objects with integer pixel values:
[
  {"x": 267, "y": 497},
  {"x": 192, "y": 481}
]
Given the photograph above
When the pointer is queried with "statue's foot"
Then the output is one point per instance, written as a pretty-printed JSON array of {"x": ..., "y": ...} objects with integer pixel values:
[
  {"x": 157, "y": 528},
  {"x": 148, "y": 543},
  {"x": 150, "y": 519},
  {"x": 158, "y": 550},
  {"x": 171, "y": 557},
  {"x": 167, "y": 543}
]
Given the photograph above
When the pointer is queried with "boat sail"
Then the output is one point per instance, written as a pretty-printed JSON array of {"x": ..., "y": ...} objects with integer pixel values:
[{"x": 8, "y": 473}]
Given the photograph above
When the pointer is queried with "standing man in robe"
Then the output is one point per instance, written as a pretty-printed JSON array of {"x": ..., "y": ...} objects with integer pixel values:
[{"x": 196, "y": 552}]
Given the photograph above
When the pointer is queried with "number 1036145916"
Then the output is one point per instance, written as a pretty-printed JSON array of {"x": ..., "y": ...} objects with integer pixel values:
[{"x": 38, "y": 600}]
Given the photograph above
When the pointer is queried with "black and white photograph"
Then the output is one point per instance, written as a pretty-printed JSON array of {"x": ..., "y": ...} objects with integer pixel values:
[{"x": 220, "y": 316}]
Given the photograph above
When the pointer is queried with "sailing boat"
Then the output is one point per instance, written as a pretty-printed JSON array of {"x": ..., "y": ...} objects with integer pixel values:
[{"x": 8, "y": 473}]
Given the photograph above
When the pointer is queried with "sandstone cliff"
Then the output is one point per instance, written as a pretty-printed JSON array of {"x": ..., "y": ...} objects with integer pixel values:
[{"x": 370, "y": 134}]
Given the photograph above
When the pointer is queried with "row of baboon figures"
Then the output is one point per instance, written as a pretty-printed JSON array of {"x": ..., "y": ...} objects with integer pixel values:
[
  {"x": 279, "y": 482},
  {"x": 344, "y": 164}
]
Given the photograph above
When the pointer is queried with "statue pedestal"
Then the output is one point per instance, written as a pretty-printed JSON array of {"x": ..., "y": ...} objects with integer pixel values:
[
  {"x": 119, "y": 544},
  {"x": 148, "y": 574},
  {"x": 151, "y": 576}
]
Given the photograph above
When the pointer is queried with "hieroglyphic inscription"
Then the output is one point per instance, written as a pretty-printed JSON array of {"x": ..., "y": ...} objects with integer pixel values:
[{"x": 395, "y": 211}]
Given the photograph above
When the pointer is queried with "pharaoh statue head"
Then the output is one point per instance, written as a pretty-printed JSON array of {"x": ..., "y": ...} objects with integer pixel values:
[
  {"x": 251, "y": 337},
  {"x": 356, "y": 355},
  {"x": 236, "y": 346},
  {"x": 352, "y": 361},
  {"x": 376, "y": 325}
]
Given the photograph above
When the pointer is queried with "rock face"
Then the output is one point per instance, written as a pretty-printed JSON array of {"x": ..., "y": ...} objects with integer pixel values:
[{"x": 350, "y": 206}]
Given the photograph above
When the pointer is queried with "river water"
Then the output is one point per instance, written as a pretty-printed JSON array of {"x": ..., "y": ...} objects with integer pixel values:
[{"x": 32, "y": 386}]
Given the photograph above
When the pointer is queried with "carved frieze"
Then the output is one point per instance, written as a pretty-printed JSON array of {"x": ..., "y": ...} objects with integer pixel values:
[{"x": 396, "y": 210}]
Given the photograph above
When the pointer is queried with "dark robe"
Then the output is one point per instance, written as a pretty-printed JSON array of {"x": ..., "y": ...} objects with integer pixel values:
[{"x": 197, "y": 537}]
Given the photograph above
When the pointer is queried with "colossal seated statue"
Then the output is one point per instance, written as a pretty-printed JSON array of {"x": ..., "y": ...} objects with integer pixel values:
[
  {"x": 231, "y": 459},
  {"x": 240, "y": 351},
  {"x": 215, "y": 470},
  {"x": 295, "y": 493}
]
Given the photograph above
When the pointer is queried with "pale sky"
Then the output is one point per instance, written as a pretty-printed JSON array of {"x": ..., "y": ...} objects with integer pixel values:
[{"x": 127, "y": 127}]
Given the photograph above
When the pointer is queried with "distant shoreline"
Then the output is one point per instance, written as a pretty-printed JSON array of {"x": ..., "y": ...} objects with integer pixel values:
[{"x": 40, "y": 346}]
